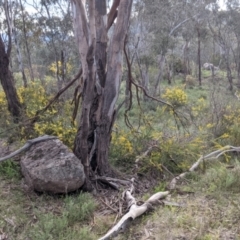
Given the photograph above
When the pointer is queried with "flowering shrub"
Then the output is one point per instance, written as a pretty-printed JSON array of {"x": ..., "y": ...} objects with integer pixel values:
[
  {"x": 3, "y": 108},
  {"x": 199, "y": 107},
  {"x": 176, "y": 96},
  {"x": 121, "y": 147},
  {"x": 53, "y": 67},
  {"x": 55, "y": 121},
  {"x": 33, "y": 98}
]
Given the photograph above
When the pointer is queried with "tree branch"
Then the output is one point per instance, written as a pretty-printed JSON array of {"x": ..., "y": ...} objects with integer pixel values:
[
  {"x": 213, "y": 155},
  {"x": 54, "y": 99},
  {"x": 27, "y": 145},
  {"x": 112, "y": 13}
]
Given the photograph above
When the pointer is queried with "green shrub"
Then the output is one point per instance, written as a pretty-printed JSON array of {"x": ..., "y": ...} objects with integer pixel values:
[
  {"x": 190, "y": 81},
  {"x": 79, "y": 208}
]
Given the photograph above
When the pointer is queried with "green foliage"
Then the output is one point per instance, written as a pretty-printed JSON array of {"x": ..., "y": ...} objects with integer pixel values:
[
  {"x": 53, "y": 68},
  {"x": 80, "y": 208},
  {"x": 190, "y": 81},
  {"x": 10, "y": 169},
  {"x": 57, "y": 120},
  {"x": 176, "y": 63},
  {"x": 220, "y": 178},
  {"x": 121, "y": 149},
  {"x": 160, "y": 187}
]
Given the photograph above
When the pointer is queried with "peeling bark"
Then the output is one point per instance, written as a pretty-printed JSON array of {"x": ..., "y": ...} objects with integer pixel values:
[
  {"x": 7, "y": 82},
  {"x": 102, "y": 68}
]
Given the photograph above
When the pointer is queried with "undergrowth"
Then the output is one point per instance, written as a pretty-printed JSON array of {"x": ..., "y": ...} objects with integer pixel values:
[
  {"x": 204, "y": 119},
  {"x": 40, "y": 217}
]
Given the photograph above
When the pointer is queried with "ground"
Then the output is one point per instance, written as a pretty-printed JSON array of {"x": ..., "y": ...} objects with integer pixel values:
[{"x": 209, "y": 209}]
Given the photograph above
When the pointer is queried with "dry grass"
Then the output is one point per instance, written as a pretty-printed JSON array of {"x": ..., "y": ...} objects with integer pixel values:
[{"x": 210, "y": 213}]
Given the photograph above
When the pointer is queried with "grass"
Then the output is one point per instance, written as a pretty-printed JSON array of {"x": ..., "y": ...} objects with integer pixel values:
[
  {"x": 30, "y": 216},
  {"x": 211, "y": 213},
  {"x": 10, "y": 169}
]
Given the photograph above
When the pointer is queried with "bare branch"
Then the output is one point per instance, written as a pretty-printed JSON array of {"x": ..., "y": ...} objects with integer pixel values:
[
  {"x": 134, "y": 212},
  {"x": 27, "y": 145},
  {"x": 179, "y": 25},
  {"x": 112, "y": 13},
  {"x": 213, "y": 155},
  {"x": 54, "y": 99}
]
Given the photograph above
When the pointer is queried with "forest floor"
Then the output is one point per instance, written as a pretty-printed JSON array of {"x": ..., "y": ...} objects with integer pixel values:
[{"x": 209, "y": 209}]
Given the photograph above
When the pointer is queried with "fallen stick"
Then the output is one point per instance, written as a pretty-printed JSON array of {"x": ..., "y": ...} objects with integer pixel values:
[
  {"x": 134, "y": 212},
  {"x": 213, "y": 155},
  {"x": 27, "y": 145}
]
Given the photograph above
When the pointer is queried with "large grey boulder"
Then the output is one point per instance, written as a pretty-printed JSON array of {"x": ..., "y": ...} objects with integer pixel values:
[{"x": 50, "y": 166}]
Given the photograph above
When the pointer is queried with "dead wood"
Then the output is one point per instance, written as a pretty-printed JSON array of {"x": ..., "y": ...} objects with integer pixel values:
[
  {"x": 27, "y": 145},
  {"x": 136, "y": 211},
  {"x": 213, "y": 155},
  {"x": 55, "y": 98}
]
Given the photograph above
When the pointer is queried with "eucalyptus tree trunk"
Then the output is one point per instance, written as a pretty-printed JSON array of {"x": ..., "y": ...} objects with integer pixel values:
[
  {"x": 186, "y": 57},
  {"x": 199, "y": 57},
  {"x": 160, "y": 74},
  {"x": 26, "y": 43},
  {"x": 19, "y": 57},
  {"x": 6, "y": 79},
  {"x": 101, "y": 61},
  {"x": 238, "y": 61}
]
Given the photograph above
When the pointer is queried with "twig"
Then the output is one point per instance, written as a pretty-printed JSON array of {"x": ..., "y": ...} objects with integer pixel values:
[
  {"x": 54, "y": 99},
  {"x": 109, "y": 206}
]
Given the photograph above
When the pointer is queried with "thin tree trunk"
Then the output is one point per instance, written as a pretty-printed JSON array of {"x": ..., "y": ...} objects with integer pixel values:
[
  {"x": 160, "y": 74},
  {"x": 145, "y": 81},
  {"x": 169, "y": 75},
  {"x": 19, "y": 57},
  {"x": 26, "y": 43},
  {"x": 238, "y": 62},
  {"x": 7, "y": 82},
  {"x": 227, "y": 62},
  {"x": 199, "y": 59},
  {"x": 186, "y": 58}
]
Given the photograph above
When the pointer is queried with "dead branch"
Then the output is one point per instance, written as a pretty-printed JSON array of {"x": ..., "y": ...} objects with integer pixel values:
[
  {"x": 27, "y": 145},
  {"x": 54, "y": 99},
  {"x": 114, "y": 210},
  {"x": 123, "y": 182},
  {"x": 213, "y": 155},
  {"x": 134, "y": 212},
  {"x": 112, "y": 13},
  {"x": 146, "y": 153}
]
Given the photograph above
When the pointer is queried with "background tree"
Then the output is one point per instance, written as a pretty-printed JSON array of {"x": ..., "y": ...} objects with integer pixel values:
[{"x": 6, "y": 76}]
